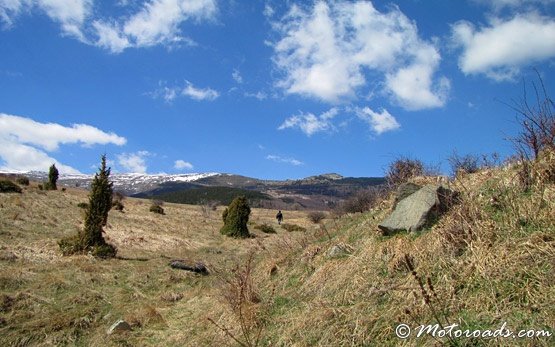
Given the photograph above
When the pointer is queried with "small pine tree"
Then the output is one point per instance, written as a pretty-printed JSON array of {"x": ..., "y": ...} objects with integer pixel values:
[
  {"x": 53, "y": 177},
  {"x": 236, "y": 217},
  {"x": 96, "y": 216}
]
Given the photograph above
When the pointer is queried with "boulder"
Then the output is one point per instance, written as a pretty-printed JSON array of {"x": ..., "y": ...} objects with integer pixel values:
[
  {"x": 118, "y": 327},
  {"x": 404, "y": 191},
  {"x": 418, "y": 210}
]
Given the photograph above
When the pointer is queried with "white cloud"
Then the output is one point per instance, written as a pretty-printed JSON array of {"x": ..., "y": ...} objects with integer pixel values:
[
  {"x": 24, "y": 142},
  {"x": 10, "y": 9},
  {"x": 309, "y": 123},
  {"x": 500, "y": 49},
  {"x": 169, "y": 94},
  {"x": 199, "y": 93},
  {"x": 50, "y": 135},
  {"x": 324, "y": 52},
  {"x": 379, "y": 122},
  {"x": 182, "y": 165},
  {"x": 156, "y": 23},
  {"x": 70, "y": 14},
  {"x": 237, "y": 76},
  {"x": 258, "y": 95},
  {"x": 133, "y": 162},
  {"x": 501, "y": 4},
  {"x": 268, "y": 10},
  {"x": 110, "y": 37},
  {"x": 279, "y": 159}
]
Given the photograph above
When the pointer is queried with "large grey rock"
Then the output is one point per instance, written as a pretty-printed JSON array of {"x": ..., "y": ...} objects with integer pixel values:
[
  {"x": 418, "y": 210},
  {"x": 404, "y": 191},
  {"x": 118, "y": 327}
]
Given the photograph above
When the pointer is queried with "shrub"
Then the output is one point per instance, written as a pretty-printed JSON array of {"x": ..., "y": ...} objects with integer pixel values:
[
  {"x": 156, "y": 209},
  {"x": 292, "y": 227},
  {"x": 403, "y": 169},
  {"x": 23, "y": 180},
  {"x": 117, "y": 203},
  {"x": 7, "y": 186},
  {"x": 464, "y": 164},
  {"x": 70, "y": 245},
  {"x": 118, "y": 206},
  {"x": 316, "y": 216},
  {"x": 83, "y": 205},
  {"x": 537, "y": 122},
  {"x": 41, "y": 187},
  {"x": 52, "y": 177},
  {"x": 236, "y": 217},
  {"x": 265, "y": 228},
  {"x": 105, "y": 250},
  {"x": 361, "y": 201}
]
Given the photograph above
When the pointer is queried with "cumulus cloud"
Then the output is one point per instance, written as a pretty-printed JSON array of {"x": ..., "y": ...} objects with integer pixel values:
[
  {"x": 309, "y": 123},
  {"x": 279, "y": 159},
  {"x": 70, "y": 14},
  {"x": 501, "y": 48},
  {"x": 24, "y": 143},
  {"x": 133, "y": 162},
  {"x": 157, "y": 22},
  {"x": 182, "y": 165},
  {"x": 379, "y": 122},
  {"x": 325, "y": 52}
]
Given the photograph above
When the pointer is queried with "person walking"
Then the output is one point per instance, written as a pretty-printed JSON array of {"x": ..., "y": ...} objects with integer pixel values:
[{"x": 279, "y": 217}]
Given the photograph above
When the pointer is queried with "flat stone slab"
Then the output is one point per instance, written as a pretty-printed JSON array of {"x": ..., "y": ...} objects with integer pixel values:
[{"x": 416, "y": 210}]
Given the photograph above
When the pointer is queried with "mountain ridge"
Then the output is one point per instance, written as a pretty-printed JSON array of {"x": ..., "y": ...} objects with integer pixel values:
[{"x": 314, "y": 192}]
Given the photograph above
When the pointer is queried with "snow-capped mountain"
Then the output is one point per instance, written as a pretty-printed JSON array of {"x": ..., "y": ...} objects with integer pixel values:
[
  {"x": 314, "y": 192},
  {"x": 127, "y": 183}
]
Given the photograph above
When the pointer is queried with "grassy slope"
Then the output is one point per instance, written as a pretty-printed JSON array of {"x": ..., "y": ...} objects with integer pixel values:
[
  {"x": 47, "y": 299},
  {"x": 491, "y": 259}
]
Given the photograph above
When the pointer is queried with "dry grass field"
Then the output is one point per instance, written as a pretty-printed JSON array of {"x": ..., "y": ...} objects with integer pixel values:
[
  {"x": 489, "y": 260},
  {"x": 47, "y": 299}
]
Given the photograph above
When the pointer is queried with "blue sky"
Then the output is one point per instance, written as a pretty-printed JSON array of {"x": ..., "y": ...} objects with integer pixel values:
[{"x": 269, "y": 89}]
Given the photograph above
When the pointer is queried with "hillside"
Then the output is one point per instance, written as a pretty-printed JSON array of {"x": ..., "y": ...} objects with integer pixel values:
[{"x": 490, "y": 260}]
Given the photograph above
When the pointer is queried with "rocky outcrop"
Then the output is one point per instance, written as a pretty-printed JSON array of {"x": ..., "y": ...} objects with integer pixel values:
[{"x": 418, "y": 210}]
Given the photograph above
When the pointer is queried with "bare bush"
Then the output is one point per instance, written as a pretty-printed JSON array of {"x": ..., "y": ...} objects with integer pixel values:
[
  {"x": 403, "y": 169},
  {"x": 537, "y": 122},
  {"x": 316, "y": 216},
  {"x": 362, "y": 201},
  {"x": 240, "y": 294},
  {"x": 461, "y": 164},
  {"x": 207, "y": 206}
]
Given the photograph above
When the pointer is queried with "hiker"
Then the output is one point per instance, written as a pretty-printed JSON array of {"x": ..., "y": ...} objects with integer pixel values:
[{"x": 279, "y": 217}]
